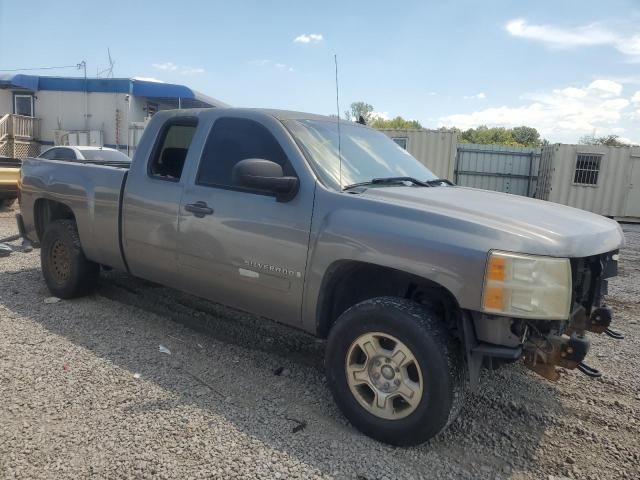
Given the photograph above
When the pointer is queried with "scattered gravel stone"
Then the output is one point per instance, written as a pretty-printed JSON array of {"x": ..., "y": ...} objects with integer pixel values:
[{"x": 51, "y": 300}]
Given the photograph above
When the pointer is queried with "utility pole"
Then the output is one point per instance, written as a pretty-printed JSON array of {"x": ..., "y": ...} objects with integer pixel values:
[{"x": 83, "y": 65}]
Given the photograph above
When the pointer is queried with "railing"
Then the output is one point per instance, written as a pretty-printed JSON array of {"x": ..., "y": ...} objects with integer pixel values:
[
  {"x": 4, "y": 126},
  {"x": 19, "y": 127}
]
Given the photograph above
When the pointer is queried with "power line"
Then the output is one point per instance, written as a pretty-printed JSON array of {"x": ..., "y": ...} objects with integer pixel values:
[{"x": 77, "y": 66}]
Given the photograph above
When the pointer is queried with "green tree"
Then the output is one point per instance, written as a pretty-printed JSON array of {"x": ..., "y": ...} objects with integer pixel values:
[
  {"x": 517, "y": 137},
  {"x": 397, "y": 123},
  {"x": 359, "y": 109},
  {"x": 607, "y": 140},
  {"x": 528, "y": 136}
]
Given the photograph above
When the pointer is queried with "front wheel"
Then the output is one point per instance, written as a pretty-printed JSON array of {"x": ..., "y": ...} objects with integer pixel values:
[
  {"x": 395, "y": 371},
  {"x": 66, "y": 270}
]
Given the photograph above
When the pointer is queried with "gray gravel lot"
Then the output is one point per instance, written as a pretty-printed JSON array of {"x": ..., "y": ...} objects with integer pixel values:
[{"x": 86, "y": 392}]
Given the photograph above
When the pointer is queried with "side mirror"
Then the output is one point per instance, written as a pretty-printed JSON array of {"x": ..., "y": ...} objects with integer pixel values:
[{"x": 265, "y": 175}]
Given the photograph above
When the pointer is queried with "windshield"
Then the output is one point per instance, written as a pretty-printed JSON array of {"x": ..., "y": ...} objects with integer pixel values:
[
  {"x": 366, "y": 153},
  {"x": 104, "y": 155}
]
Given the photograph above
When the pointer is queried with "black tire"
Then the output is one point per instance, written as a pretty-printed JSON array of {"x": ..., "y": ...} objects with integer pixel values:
[
  {"x": 66, "y": 271},
  {"x": 437, "y": 352}
]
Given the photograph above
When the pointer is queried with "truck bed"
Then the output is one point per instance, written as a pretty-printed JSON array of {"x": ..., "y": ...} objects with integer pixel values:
[{"x": 91, "y": 190}]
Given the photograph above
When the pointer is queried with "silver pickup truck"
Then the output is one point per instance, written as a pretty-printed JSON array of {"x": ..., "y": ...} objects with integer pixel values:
[{"x": 332, "y": 228}]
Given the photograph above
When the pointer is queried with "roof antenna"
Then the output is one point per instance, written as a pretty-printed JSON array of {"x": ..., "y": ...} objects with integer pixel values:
[
  {"x": 108, "y": 72},
  {"x": 335, "y": 60}
]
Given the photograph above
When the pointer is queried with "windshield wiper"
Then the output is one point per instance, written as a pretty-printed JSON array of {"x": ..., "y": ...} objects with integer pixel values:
[
  {"x": 388, "y": 181},
  {"x": 436, "y": 182}
]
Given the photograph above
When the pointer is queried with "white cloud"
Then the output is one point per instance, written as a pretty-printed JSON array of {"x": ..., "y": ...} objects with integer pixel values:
[
  {"x": 191, "y": 70},
  {"x": 381, "y": 115},
  {"x": 182, "y": 70},
  {"x": 167, "y": 66},
  {"x": 606, "y": 88},
  {"x": 636, "y": 97},
  {"x": 628, "y": 141},
  {"x": 268, "y": 63},
  {"x": 560, "y": 115},
  {"x": 571, "y": 37},
  {"x": 477, "y": 96},
  {"x": 308, "y": 38},
  {"x": 148, "y": 79}
]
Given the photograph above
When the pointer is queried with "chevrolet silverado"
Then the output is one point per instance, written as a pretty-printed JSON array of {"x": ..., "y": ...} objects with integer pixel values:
[{"x": 329, "y": 226}]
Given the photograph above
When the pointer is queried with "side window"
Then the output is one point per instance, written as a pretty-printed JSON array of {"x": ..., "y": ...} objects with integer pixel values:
[
  {"x": 49, "y": 154},
  {"x": 171, "y": 149},
  {"x": 65, "y": 154},
  {"x": 59, "y": 154},
  {"x": 587, "y": 169},
  {"x": 232, "y": 140},
  {"x": 23, "y": 105},
  {"x": 401, "y": 141}
]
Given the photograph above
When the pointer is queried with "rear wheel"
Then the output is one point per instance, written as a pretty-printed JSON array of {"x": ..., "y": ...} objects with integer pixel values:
[
  {"x": 66, "y": 270},
  {"x": 395, "y": 371}
]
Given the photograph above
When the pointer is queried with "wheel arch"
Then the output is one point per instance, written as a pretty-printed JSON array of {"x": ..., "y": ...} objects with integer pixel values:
[
  {"x": 347, "y": 282},
  {"x": 46, "y": 211}
]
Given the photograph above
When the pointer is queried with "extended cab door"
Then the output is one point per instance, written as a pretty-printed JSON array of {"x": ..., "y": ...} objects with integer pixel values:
[
  {"x": 241, "y": 247},
  {"x": 151, "y": 202}
]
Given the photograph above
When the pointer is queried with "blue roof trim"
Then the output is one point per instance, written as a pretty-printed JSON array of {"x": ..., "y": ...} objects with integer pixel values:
[
  {"x": 156, "y": 89},
  {"x": 131, "y": 86},
  {"x": 106, "y": 85},
  {"x": 28, "y": 82}
]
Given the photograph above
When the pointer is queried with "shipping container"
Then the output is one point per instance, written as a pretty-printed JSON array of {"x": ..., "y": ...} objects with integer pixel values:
[
  {"x": 434, "y": 148},
  {"x": 601, "y": 179},
  {"x": 502, "y": 168}
]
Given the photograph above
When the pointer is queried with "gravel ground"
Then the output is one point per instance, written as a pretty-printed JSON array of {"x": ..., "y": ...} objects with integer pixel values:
[{"x": 86, "y": 392}]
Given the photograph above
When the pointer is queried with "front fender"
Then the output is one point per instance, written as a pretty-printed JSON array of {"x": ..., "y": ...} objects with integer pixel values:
[{"x": 379, "y": 235}]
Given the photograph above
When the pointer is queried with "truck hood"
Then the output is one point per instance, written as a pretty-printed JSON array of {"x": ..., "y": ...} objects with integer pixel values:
[{"x": 508, "y": 222}]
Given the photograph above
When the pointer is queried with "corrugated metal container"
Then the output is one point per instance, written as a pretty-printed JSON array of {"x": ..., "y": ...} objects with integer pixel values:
[
  {"x": 501, "y": 168},
  {"x": 435, "y": 148},
  {"x": 604, "y": 180}
]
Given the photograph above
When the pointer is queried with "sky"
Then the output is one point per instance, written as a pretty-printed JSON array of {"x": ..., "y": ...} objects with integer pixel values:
[{"x": 568, "y": 68}]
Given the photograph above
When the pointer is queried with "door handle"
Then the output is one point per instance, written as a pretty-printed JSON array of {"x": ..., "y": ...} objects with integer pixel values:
[{"x": 199, "y": 209}]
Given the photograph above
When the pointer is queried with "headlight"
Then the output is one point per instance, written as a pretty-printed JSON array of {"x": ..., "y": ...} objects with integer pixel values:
[{"x": 527, "y": 286}]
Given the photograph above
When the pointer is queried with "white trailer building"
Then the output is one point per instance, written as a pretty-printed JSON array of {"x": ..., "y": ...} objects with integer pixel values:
[
  {"x": 38, "y": 111},
  {"x": 604, "y": 180}
]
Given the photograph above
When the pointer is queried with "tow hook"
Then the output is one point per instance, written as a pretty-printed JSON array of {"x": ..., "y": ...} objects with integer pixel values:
[
  {"x": 589, "y": 371},
  {"x": 600, "y": 319},
  {"x": 614, "y": 334}
]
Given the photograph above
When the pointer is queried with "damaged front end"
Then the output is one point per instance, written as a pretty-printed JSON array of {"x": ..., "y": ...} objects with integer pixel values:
[
  {"x": 492, "y": 340},
  {"x": 551, "y": 344}
]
